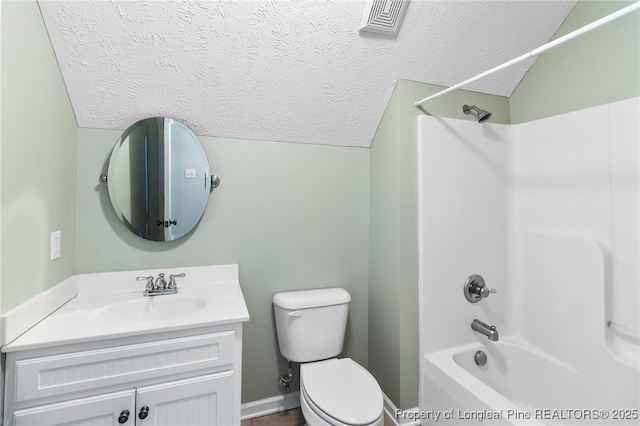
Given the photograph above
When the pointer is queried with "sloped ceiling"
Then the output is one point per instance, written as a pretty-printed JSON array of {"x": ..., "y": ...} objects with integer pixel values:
[{"x": 297, "y": 71}]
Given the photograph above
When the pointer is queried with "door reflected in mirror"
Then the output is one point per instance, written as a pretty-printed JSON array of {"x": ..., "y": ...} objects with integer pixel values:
[{"x": 159, "y": 180}]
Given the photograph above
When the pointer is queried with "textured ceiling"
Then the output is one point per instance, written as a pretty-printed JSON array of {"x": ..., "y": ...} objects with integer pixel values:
[{"x": 297, "y": 71}]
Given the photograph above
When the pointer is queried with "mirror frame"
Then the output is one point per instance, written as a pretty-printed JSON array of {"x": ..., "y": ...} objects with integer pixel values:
[{"x": 168, "y": 182}]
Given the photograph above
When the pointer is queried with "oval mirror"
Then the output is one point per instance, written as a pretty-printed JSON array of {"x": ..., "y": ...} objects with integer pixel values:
[{"x": 158, "y": 179}]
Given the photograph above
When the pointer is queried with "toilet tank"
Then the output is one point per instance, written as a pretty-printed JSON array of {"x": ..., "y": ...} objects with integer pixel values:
[{"x": 311, "y": 324}]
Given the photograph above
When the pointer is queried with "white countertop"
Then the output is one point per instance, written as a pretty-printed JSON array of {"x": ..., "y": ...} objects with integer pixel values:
[{"x": 112, "y": 305}]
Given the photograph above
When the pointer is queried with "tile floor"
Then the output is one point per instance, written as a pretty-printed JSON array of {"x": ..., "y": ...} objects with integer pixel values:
[{"x": 289, "y": 418}]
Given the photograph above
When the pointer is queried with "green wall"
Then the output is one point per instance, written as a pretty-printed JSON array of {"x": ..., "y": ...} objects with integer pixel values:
[
  {"x": 600, "y": 67},
  {"x": 39, "y": 150},
  {"x": 1, "y": 50},
  {"x": 293, "y": 216},
  {"x": 393, "y": 216},
  {"x": 2, "y": 357},
  {"x": 37, "y": 160}
]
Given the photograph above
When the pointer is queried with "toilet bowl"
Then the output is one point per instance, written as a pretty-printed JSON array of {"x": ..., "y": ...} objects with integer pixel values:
[
  {"x": 339, "y": 392},
  {"x": 311, "y": 327}
]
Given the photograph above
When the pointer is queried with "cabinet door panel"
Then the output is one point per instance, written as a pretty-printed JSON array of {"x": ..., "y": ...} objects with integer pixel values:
[
  {"x": 200, "y": 401},
  {"x": 102, "y": 410}
]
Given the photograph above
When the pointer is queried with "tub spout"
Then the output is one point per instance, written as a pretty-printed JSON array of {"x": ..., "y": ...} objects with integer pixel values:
[{"x": 488, "y": 330}]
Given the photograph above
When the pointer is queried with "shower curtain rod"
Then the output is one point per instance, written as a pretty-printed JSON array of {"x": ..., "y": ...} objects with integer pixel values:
[{"x": 540, "y": 50}]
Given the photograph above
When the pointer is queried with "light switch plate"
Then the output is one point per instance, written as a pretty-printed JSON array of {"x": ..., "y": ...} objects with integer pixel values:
[{"x": 55, "y": 245}]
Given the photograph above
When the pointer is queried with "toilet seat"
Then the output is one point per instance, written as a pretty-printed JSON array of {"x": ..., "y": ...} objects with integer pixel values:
[
  {"x": 342, "y": 391},
  {"x": 314, "y": 416}
]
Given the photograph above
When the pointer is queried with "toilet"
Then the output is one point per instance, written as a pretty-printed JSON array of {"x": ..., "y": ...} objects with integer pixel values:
[{"x": 311, "y": 325}]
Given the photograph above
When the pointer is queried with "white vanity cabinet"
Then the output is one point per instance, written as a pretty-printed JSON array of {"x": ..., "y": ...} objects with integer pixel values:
[
  {"x": 178, "y": 378},
  {"x": 205, "y": 400}
]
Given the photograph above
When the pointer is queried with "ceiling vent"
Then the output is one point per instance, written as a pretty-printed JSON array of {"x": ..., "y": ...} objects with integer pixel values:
[{"x": 383, "y": 16}]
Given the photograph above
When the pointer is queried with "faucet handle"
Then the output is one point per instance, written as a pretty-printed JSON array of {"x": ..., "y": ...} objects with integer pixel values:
[
  {"x": 475, "y": 289},
  {"x": 172, "y": 280},
  {"x": 484, "y": 292},
  {"x": 149, "y": 282}
]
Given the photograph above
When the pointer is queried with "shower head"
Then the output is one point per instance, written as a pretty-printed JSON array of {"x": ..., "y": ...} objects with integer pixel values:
[{"x": 482, "y": 114}]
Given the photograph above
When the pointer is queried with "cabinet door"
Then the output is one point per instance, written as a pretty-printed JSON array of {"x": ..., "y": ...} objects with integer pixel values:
[
  {"x": 200, "y": 401},
  {"x": 102, "y": 410}
]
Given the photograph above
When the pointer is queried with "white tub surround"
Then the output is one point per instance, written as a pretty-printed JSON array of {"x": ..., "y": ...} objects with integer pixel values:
[
  {"x": 112, "y": 353},
  {"x": 547, "y": 212}
]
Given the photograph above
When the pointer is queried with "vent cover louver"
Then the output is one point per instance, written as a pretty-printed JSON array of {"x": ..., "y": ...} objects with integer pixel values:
[{"x": 383, "y": 16}]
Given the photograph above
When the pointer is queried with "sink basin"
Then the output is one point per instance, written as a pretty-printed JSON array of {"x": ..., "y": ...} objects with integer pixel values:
[{"x": 147, "y": 309}]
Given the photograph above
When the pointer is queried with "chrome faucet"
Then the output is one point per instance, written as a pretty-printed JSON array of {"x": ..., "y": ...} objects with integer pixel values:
[
  {"x": 160, "y": 287},
  {"x": 488, "y": 330},
  {"x": 161, "y": 283}
]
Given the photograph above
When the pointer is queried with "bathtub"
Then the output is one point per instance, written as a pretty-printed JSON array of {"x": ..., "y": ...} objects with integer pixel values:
[{"x": 522, "y": 385}]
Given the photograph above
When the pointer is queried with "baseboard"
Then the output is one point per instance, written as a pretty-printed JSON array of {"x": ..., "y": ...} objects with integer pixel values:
[
  {"x": 400, "y": 417},
  {"x": 267, "y": 406},
  {"x": 277, "y": 404}
]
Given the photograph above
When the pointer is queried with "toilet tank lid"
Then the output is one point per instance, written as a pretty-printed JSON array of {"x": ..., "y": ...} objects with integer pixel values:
[{"x": 311, "y": 298}]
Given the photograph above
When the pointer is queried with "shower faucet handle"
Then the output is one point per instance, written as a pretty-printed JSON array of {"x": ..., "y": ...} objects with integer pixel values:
[
  {"x": 484, "y": 291},
  {"x": 476, "y": 289}
]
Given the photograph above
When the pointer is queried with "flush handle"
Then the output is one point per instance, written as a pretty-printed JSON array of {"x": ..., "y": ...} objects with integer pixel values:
[{"x": 295, "y": 314}]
